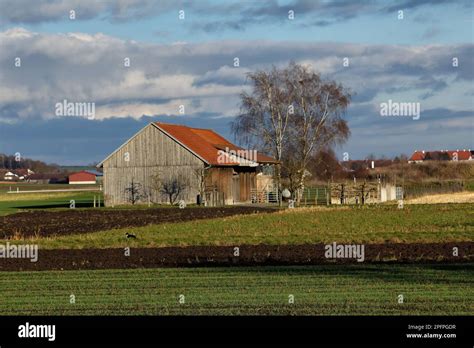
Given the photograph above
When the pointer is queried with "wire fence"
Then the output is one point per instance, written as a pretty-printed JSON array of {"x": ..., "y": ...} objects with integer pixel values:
[
  {"x": 412, "y": 190},
  {"x": 315, "y": 196}
]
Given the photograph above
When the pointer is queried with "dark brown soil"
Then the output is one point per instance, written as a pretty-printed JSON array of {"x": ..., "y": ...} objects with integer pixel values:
[
  {"x": 249, "y": 255},
  {"x": 49, "y": 223}
]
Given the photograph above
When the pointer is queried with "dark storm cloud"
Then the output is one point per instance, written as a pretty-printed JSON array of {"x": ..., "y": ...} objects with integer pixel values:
[{"x": 81, "y": 141}]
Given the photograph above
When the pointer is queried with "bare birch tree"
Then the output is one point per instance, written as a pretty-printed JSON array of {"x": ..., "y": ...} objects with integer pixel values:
[
  {"x": 317, "y": 121},
  {"x": 291, "y": 113},
  {"x": 265, "y": 115}
]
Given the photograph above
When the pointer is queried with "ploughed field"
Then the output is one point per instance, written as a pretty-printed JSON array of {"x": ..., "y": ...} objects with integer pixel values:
[
  {"x": 244, "y": 255},
  {"x": 43, "y": 223},
  {"x": 360, "y": 289}
]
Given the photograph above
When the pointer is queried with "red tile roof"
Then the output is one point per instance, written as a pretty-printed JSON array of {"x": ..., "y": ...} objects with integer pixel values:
[
  {"x": 205, "y": 143},
  {"x": 417, "y": 156},
  {"x": 82, "y": 176},
  {"x": 462, "y": 155},
  {"x": 459, "y": 155}
]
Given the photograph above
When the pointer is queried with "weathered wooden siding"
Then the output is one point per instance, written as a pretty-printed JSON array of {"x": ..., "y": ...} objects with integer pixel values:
[
  {"x": 247, "y": 181},
  {"x": 226, "y": 179},
  {"x": 221, "y": 178},
  {"x": 150, "y": 152}
]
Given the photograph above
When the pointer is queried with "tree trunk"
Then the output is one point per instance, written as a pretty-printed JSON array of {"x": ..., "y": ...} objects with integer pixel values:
[{"x": 278, "y": 180}]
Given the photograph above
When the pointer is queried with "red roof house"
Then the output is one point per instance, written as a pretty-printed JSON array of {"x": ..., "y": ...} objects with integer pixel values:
[
  {"x": 446, "y": 155},
  {"x": 418, "y": 156},
  {"x": 82, "y": 177},
  {"x": 460, "y": 155}
]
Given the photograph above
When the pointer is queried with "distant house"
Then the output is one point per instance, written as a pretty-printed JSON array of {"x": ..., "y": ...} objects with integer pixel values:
[
  {"x": 198, "y": 157},
  {"x": 17, "y": 174},
  {"x": 417, "y": 157},
  {"x": 84, "y": 177},
  {"x": 446, "y": 155},
  {"x": 10, "y": 176}
]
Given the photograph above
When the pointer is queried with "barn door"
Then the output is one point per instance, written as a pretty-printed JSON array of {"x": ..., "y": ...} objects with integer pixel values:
[{"x": 236, "y": 187}]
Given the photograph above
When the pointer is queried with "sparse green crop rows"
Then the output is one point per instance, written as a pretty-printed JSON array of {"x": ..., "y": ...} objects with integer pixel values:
[{"x": 316, "y": 290}]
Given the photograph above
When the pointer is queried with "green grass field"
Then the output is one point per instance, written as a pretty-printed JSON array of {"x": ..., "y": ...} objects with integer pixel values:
[
  {"x": 469, "y": 185},
  {"x": 15, "y": 202},
  {"x": 25, "y": 186},
  {"x": 415, "y": 223},
  {"x": 317, "y": 290}
]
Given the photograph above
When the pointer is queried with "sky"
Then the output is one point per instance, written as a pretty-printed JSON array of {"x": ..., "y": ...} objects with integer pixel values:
[{"x": 181, "y": 69}]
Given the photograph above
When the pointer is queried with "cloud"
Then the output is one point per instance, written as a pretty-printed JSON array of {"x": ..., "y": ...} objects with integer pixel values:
[
  {"x": 239, "y": 16},
  {"x": 76, "y": 141},
  {"x": 83, "y": 67},
  {"x": 90, "y": 67},
  {"x": 437, "y": 128},
  {"x": 225, "y": 75},
  {"x": 409, "y": 4},
  {"x": 213, "y": 16},
  {"x": 40, "y": 11}
]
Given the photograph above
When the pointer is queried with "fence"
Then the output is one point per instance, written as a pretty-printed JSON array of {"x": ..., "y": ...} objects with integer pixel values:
[
  {"x": 356, "y": 192},
  {"x": 213, "y": 197},
  {"x": 315, "y": 196},
  {"x": 412, "y": 190},
  {"x": 264, "y": 196}
]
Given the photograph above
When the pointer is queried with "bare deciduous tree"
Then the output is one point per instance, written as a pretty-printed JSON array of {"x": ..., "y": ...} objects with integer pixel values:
[
  {"x": 133, "y": 192},
  {"x": 265, "y": 115},
  {"x": 171, "y": 187},
  {"x": 317, "y": 119},
  {"x": 292, "y": 113}
]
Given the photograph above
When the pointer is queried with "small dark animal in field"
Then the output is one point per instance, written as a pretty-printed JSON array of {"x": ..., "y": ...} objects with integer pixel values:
[{"x": 129, "y": 235}]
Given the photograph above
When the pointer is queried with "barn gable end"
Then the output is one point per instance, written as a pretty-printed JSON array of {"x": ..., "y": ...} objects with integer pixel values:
[{"x": 146, "y": 154}]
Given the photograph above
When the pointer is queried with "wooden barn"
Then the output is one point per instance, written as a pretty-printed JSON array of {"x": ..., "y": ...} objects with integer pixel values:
[{"x": 213, "y": 170}]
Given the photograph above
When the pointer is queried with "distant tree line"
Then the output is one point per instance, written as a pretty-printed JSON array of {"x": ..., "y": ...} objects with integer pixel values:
[{"x": 16, "y": 161}]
